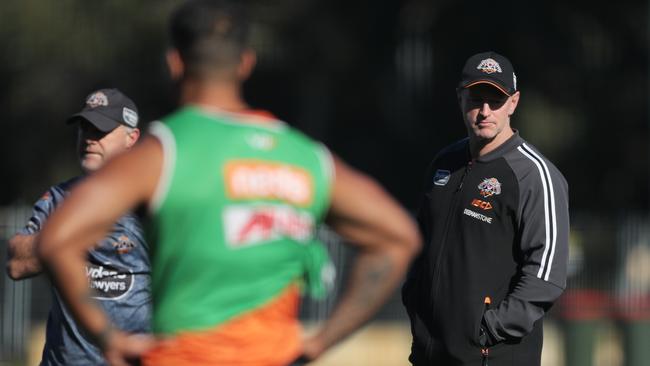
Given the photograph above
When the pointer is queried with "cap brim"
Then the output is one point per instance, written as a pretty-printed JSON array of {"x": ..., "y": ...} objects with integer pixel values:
[
  {"x": 100, "y": 121},
  {"x": 489, "y": 82}
]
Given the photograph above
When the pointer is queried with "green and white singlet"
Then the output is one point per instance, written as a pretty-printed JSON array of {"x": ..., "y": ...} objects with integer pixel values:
[{"x": 234, "y": 215}]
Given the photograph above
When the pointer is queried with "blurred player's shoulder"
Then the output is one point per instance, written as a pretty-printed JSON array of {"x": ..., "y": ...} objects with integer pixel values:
[
  {"x": 213, "y": 115},
  {"x": 236, "y": 132}
]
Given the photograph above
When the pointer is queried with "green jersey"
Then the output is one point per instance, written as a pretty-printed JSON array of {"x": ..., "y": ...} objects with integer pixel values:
[{"x": 234, "y": 215}]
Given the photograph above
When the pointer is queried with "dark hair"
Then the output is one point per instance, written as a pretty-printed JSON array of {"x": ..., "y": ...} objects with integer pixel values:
[{"x": 210, "y": 35}]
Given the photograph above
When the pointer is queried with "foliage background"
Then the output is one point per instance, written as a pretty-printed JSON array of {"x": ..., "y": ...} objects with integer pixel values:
[{"x": 374, "y": 80}]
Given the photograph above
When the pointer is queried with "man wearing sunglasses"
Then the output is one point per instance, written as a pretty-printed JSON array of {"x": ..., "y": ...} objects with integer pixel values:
[{"x": 495, "y": 225}]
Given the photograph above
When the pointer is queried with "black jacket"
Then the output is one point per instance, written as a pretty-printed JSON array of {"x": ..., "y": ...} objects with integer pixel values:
[{"x": 494, "y": 227}]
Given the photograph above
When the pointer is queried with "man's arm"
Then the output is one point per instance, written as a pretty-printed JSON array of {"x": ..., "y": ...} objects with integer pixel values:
[
  {"x": 386, "y": 239},
  {"x": 83, "y": 219},
  {"x": 22, "y": 261},
  {"x": 544, "y": 228}
]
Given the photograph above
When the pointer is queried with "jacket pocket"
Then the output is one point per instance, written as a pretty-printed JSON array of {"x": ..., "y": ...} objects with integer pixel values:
[{"x": 479, "y": 337}]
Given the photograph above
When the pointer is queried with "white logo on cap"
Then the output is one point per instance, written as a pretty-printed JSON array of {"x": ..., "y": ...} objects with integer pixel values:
[
  {"x": 130, "y": 117},
  {"x": 514, "y": 81},
  {"x": 489, "y": 66},
  {"x": 97, "y": 99}
]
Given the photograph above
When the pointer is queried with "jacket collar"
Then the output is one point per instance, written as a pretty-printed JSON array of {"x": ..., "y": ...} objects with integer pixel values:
[{"x": 510, "y": 144}]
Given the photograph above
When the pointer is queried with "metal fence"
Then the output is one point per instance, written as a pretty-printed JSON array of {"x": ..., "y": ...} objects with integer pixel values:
[{"x": 16, "y": 303}]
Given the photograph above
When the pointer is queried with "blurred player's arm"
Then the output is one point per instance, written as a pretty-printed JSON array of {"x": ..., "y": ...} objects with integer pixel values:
[
  {"x": 386, "y": 239},
  {"x": 22, "y": 261},
  {"x": 83, "y": 219}
]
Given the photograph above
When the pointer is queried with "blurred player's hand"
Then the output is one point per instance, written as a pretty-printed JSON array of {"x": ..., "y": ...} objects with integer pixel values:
[
  {"x": 124, "y": 349},
  {"x": 312, "y": 348}
]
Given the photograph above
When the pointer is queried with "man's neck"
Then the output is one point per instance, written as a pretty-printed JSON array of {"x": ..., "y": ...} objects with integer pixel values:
[
  {"x": 481, "y": 147},
  {"x": 222, "y": 95}
]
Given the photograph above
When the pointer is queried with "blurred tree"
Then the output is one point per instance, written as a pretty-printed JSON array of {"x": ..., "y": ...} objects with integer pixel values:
[{"x": 375, "y": 81}]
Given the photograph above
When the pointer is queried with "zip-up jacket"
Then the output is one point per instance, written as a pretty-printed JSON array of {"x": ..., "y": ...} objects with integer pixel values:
[{"x": 494, "y": 227}]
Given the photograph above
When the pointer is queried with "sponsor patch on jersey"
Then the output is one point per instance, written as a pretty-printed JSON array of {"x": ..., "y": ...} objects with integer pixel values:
[
  {"x": 477, "y": 216},
  {"x": 489, "y": 66},
  {"x": 256, "y": 179},
  {"x": 261, "y": 141},
  {"x": 441, "y": 177},
  {"x": 247, "y": 225},
  {"x": 123, "y": 244},
  {"x": 489, "y": 187},
  {"x": 108, "y": 281}
]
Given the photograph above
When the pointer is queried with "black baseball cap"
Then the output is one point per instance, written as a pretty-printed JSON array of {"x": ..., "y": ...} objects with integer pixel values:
[
  {"x": 489, "y": 68},
  {"x": 106, "y": 109}
]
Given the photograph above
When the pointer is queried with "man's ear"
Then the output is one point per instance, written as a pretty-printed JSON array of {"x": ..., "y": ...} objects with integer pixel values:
[
  {"x": 175, "y": 64},
  {"x": 247, "y": 63},
  {"x": 132, "y": 137},
  {"x": 514, "y": 101}
]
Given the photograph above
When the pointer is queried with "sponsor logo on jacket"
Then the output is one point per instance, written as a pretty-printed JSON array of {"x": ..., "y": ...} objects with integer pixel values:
[
  {"x": 489, "y": 187},
  {"x": 483, "y": 205},
  {"x": 477, "y": 216},
  {"x": 441, "y": 177}
]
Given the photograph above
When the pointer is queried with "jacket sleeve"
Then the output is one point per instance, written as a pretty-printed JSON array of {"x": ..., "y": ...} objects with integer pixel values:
[
  {"x": 40, "y": 212},
  {"x": 543, "y": 229}
]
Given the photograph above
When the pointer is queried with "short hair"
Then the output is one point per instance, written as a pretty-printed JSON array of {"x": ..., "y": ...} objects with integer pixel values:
[{"x": 210, "y": 35}]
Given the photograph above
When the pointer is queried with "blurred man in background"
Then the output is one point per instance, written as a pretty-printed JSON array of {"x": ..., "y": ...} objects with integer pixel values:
[
  {"x": 495, "y": 223},
  {"x": 116, "y": 266},
  {"x": 234, "y": 197}
]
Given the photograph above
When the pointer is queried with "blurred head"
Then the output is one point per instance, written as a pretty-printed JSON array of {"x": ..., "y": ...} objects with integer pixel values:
[
  {"x": 107, "y": 126},
  {"x": 210, "y": 41},
  {"x": 488, "y": 96}
]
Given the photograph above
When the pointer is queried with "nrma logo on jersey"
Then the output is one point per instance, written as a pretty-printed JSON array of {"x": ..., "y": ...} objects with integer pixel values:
[
  {"x": 246, "y": 225},
  {"x": 258, "y": 179},
  {"x": 107, "y": 281}
]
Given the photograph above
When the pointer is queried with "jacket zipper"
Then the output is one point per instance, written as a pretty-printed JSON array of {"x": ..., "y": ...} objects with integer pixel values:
[
  {"x": 485, "y": 350},
  {"x": 452, "y": 212},
  {"x": 460, "y": 186}
]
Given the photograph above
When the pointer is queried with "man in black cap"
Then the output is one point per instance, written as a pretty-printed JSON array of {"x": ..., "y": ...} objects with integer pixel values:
[
  {"x": 108, "y": 124},
  {"x": 117, "y": 267},
  {"x": 495, "y": 224}
]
